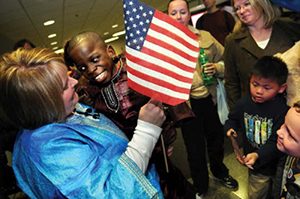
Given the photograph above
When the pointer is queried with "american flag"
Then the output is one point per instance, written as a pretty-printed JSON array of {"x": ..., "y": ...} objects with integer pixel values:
[{"x": 161, "y": 53}]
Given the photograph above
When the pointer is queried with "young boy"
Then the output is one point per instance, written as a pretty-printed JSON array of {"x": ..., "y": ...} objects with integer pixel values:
[
  {"x": 288, "y": 142},
  {"x": 104, "y": 85},
  {"x": 257, "y": 117}
]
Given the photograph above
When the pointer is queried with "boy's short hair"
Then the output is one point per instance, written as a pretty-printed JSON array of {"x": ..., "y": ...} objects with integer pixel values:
[{"x": 271, "y": 67}]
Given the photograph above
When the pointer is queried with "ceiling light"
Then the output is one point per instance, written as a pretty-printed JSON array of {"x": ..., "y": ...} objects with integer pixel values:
[
  {"x": 59, "y": 51},
  {"x": 54, "y": 48},
  {"x": 53, "y": 43},
  {"x": 115, "y": 26},
  {"x": 106, "y": 33},
  {"x": 119, "y": 33},
  {"x": 111, "y": 39},
  {"x": 52, "y": 35},
  {"x": 49, "y": 22}
]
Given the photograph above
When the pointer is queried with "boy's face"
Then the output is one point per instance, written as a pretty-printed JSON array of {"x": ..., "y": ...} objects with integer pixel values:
[
  {"x": 264, "y": 89},
  {"x": 93, "y": 61},
  {"x": 288, "y": 140}
]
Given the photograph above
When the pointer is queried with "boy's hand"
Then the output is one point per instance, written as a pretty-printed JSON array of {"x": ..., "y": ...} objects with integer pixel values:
[
  {"x": 231, "y": 132},
  {"x": 250, "y": 159}
]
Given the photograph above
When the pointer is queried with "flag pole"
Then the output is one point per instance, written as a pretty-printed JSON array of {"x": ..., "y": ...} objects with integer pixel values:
[{"x": 164, "y": 153}]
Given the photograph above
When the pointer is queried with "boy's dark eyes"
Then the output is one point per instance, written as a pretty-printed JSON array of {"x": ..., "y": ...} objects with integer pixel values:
[
  {"x": 81, "y": 68},
  {"x": 95, "y": 59}
]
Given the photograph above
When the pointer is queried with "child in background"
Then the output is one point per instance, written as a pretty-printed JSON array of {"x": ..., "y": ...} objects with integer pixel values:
[
  {"x": 257, "y": 116},
  {"x": 288, "y": 142}
]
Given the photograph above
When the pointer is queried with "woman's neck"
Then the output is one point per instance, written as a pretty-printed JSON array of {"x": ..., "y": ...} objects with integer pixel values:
[{"x": 259, "y": 32}]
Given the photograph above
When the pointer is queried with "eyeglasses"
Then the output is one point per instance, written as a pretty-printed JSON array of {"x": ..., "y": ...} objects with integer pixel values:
[{"x": 243, "y": 6}]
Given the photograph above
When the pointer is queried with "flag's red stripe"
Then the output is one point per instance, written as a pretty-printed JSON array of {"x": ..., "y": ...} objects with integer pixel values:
[
  {"x": 170, "y": 34},
  {"x": 158, "y": 68},
  {"x": 170, "y": 47},
  {"x": 168, "y": 19},
  {"x": 154, "y": 94},
  {"x": 170, "y": 60},
  {"x": 157, "y": 81}
]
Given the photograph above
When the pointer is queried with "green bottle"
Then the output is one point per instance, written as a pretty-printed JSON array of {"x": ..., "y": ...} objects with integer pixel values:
[{"x": 203, "y": 59}]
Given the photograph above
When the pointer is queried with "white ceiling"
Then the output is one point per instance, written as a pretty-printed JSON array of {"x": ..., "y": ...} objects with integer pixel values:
[{"x": 24, "y": 19}]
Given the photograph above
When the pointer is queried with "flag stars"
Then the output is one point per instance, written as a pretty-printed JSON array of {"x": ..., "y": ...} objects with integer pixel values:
[{"x": 138, "y": 19}]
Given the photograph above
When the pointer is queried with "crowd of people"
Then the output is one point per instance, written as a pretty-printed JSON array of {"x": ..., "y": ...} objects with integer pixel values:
[{"x": 77, "y": 130}]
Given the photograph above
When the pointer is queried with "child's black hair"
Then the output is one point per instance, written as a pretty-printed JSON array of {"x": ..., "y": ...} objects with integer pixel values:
[{"x": 271, "y": 67}]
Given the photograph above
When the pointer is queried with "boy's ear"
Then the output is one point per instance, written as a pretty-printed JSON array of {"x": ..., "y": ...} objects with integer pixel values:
[
  {"x": 282, "y": 88},
  {"x": 111, "y": 51}
]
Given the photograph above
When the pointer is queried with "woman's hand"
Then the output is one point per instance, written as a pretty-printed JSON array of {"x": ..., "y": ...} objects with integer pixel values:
[
  {"x": 210, "y": 69},
  {"x": 153, "y": 113}
]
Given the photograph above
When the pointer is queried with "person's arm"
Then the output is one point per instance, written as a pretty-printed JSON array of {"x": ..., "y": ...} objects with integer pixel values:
[
  {"x": 234, "y": 118},
  {"x": 232, "y": 80},
  {"x": 215, "y": 53},
  {"x": 146, "y": 134},
  {"x": 142, "y": 143}
]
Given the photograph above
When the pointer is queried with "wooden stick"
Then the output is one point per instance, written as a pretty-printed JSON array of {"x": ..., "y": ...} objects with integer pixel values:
[{"x": 164, "y": 153}]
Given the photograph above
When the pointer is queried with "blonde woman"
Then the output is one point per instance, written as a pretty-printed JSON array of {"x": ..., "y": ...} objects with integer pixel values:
[{"x": 257, "y": 33}]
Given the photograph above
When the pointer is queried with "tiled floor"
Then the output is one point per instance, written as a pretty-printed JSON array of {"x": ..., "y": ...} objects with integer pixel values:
[{"x": 216, "y": 190}]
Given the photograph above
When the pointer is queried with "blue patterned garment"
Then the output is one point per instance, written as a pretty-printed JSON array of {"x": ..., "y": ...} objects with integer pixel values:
[{"x": 82, "y": 158}]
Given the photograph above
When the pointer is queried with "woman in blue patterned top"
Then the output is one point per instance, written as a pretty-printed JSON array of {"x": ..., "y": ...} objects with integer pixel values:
[{"x": 65, "y": 149}]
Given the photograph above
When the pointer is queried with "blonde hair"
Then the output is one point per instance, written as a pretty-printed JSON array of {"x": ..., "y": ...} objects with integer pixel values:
[
  {"x": 31, "y": 88},
  {"x": 269, "y": 12}
]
